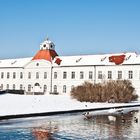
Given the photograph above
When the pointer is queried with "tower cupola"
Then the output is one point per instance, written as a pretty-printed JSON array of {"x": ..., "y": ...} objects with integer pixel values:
[
  {"x": 46, "y": 52},
  {"x": 47, "y": 45}
]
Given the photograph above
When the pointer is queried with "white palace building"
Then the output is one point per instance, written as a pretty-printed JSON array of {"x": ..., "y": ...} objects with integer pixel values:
[{"x": 48, "y": 73}]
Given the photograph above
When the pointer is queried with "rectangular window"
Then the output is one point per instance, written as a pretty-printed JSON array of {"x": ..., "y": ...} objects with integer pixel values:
[
  {"x": 29, "y": 88},
  {"x": 45, "y": 88},
  {"x": 119, "y": 74},
  {"x": 109, "y": 74},
  {"x": 1, "y": 87},
  {"x": 90, "y": 75},
  {"x": 55, "y": 75},
  {"x": 14, "y": 86},
  {"x": 72, "y": 75},
  {"x": 7, "y": 86},
  {"x": 21, "y": 75},
  {"x": 64, "y": 75},
  {"x": 37, "y": 75},
  {"x": 72, "y": 87},
  {"x": 45, "y": 75},
  {"x": 8, "y": 75},
  {"x": 100, "y": 76},
  {"x": 130, "y": 74},
  {"x": 21, "y": 87},
  {"x": 81, "y": 74},
  {"x": 55, "y": 89},
  {"x": 2, "y": 75},
  {"x": 64, "y": 89},
  {"x": 29, "y": 75},
  {"x": 14, "y": 75}
]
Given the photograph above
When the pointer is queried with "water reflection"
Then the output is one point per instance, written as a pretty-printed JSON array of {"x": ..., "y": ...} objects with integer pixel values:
[
  {"x": 44, "y": 132},
  {"x": 101, "y": 125},
  {"x": 116, "y": 126}
]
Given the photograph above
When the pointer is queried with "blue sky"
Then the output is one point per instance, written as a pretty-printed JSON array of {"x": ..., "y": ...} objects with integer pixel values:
[{"x": 75, "y": 26}]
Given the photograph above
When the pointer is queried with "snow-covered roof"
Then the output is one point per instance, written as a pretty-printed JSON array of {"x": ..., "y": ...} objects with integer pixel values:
[
  {"x": 47, "y": 53},
  {"x": 19, "y": 62},
  {"x": 80, "y": 60},
  {"x": 103, "y": 59}
]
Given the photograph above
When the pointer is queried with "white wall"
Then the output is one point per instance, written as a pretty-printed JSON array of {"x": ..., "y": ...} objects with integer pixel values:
[
  {"x": 41, "y": 66},
  {"x": 124, "y": 68},
  {"x": 17, "y": 81},
  {"x": 32, "y": 67},
  {"x": 69, "y": 82}
]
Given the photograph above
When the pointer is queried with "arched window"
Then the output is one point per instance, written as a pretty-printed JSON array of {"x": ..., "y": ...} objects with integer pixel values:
[
  {"x": 37, "y": 84},
  {"x": 29, "y": 88},
  {"x": 7, "y": 86},
  {"x": 55, "y": 88},
  {"x": 72, "y": 87},
  {"x": 64, "y": 89},
  {"x": 45, "y": 88},
  {"x": 14, "y": 86},
  {"x": 21, "y": 87},
  {"x": 1, "y": 87}
]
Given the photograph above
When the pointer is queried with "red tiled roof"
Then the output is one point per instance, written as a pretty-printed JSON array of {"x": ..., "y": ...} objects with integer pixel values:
[{"x": 45, "y": 54}]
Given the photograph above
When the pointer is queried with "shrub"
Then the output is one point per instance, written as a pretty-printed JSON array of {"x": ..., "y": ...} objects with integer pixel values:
[{"x": 120, "y": 91}]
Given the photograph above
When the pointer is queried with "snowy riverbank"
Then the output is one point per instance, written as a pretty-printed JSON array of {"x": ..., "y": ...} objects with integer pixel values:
[{"x": 11, "y": 104}]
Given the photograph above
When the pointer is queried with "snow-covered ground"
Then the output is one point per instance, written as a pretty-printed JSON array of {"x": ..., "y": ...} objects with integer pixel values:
[{"x": 11, "y": 104}]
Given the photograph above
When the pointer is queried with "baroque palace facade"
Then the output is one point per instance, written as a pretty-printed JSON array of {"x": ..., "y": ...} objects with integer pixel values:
[{"x": 47, "y": 72}]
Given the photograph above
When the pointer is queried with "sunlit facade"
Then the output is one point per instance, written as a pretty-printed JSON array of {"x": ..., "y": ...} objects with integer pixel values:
[{"x": 48, "y": 73}]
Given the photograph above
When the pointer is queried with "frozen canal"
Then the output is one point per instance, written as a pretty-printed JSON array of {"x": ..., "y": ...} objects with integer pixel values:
[{"x": 103, "y": 125}]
